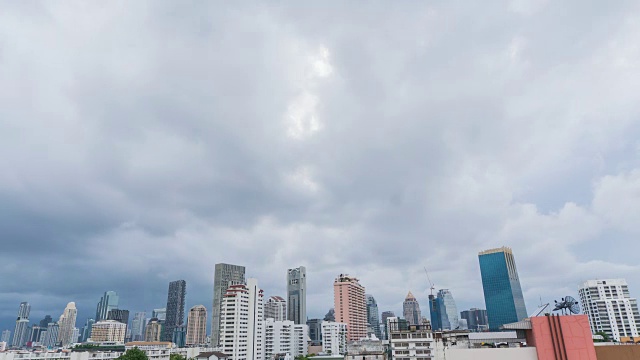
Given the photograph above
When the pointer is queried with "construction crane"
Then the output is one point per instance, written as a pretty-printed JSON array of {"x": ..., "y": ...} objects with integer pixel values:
[{"x": 432, "y": 286}]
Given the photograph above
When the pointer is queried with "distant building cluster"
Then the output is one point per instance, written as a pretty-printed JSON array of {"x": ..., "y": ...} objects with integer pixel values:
[{"x": 246, "y": 324}]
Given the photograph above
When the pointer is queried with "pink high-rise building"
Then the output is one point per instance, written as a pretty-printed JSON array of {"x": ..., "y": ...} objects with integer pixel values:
[{"x": 350, "y": 306}]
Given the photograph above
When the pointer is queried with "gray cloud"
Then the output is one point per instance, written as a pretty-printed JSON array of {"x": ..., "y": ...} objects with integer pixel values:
[{"x": 142, "y": 143}]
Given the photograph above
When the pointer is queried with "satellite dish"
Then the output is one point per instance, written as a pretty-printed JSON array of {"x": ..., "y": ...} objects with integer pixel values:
[{"x": 574, "y": 308}]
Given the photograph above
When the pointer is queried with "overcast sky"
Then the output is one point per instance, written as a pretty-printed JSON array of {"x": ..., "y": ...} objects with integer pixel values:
[{"x": 143, "y": 142}]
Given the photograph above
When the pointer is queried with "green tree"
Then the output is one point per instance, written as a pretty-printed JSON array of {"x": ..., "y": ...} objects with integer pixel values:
[
  {"x": 133, "y": 354},
  {"x": 177, "y": 357},
  {"x": 604, "y": 336}
]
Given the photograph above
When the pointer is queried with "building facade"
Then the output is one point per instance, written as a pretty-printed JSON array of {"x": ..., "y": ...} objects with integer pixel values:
[
  {"x": 108, "y": 302},
  {"x": 51, "y": 336},
  {"x": 350, "y": 306},
  {"x": 153, "y": 331},
  {"x": 137, "y": 326},
  {"x": 160, "y": 314},
  {"x": 242, "y": 313},
  {"x": 20, "y": 332},
  {"x": 373, "y": 317},
  {"x": 501, "y": 285},
  {"x": 225, "y": 275},
  {"x": 67, "y": 323},
  {"x": 86, "y": 330},
  {"x": 610, "y": 308},
  {"x": 315, "y": 331},
  {"x": 6, "y": 336},
  {"x": 108, "y": 331},
  {"x": 383, "y": 325},
  {"x": 411, "y": 310},
  {"x": 275, "y": 308},
  {"x": 410, "y": 342},
  {"x": 197, "y": 325},
  {"x": 447, "y": 311},
  {"x": 334, "y": 338},
  {"x": 285, "y": 337},
  {"x": 297, "y": 295},
  {"x": 175, "y": 308},
  {"x": 119, "y": 315},
  {"x": 477, "y": 319}
]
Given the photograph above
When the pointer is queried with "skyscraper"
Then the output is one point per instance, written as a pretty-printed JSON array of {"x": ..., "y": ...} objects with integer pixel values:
[
  {"x": 45, "y": 322},
  {"x": 330, "y": 315},
  {"x": 6, "y": 336},
  {"x": 373, "y": 316},
  {"x": 51, "y": 336},
  {"x": 197, "y": 325},
  {"x": 160, "y": 314},
  {"x": 411, "y": 310},
  {"x": 153, "y": 330},
  {"x": 137, "y": 326},
  {"x": 20, "y": 332},
  {"x": 350, "y": 306},
  {"x": 610, "y": 308},
  {"x": 119, "y": 315},
  {"x": 476, "y": 319},
  {"x": 276, "y": 309},
  {"x": 242, "y": 313},
  {"x": 108, "y": 302},
  {"x": 501, "y": 284},
  {"x": 385, "y": 316},
  {"x": 86, "y": 330},
  {"x": 297, "y": 295},
  {"x": 438, "y": 312},
  {"x": 175, "y": 308},
  {"x": 67, "y": 323},
  {"x": 225, "y": 275},
  {"x": 449, "y": 308}
]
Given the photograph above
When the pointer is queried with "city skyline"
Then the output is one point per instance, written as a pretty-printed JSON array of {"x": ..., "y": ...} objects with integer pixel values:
[{"x": 373, "y": 151}]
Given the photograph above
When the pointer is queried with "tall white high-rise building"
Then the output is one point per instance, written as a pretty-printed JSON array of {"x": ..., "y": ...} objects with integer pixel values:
[
  {"x": 297, "y": 295},
  {"x": 197, "y": 325},
  {"x": 75, "y": 335},
  {"x": 67, "y": 323},
  {"x": 137, "y": 326},
  {"x": 21, "y": 331},
  {"x": 285, "y": 337},
  {"x": 225, "y": 275},
  {"x": 242, "y": 321},
  {"x": 51, "y": 335},
  {"x": 610, "y": 308},
  {"x": 275, "y": 308},
  {"x": 334, "y": 338}
]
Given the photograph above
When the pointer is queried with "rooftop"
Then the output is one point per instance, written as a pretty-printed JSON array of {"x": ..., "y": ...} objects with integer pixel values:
[{"x": 503, "y": 249}]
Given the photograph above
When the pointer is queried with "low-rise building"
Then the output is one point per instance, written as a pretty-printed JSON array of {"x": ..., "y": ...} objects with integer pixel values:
[
  {"x": 108, "y": 331},
  {"x": 285, "y": 337},
  {"x": 366, "y": 349},
  {"x": 415, "y": 342}
]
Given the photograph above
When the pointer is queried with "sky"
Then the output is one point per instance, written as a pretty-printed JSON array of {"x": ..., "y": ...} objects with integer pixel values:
[{"x": 143, "y": 142}]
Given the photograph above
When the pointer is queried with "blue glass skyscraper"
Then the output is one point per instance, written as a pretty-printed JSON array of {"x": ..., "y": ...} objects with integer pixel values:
[{"x": 501, "y": 285}]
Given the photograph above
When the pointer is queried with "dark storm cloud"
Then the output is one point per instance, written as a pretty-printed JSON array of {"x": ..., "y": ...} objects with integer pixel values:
[{"x": 144, "y": 142}]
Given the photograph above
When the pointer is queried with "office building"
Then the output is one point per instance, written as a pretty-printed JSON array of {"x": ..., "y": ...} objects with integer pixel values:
[
  {"x": 610, "y": 308},
  {"x": 330, "y": 315},
  {"x": 137, "y": 326},
  {"x": 108, "y": 302},
  {"x": 285, "y": 337},
  {"x": 119, "y": 315},
  {"x": 439, "y": 320},
  {"x": 51, "y": 336},
  {"x": 411, "y": 310},
  {"x": 477, "y": 319},
  {"x": 6, "y": 336},
  {"x": 501, "y": 284},
  {"x": 275, "y": 308},
  {"x": 225, "y": 275},
  {"x": 448, "y": 306},
  {"x": 350, "y": 306},
  {"x": 410, "y": 342},
  {"x": 315, "y": 330},
  {"x": 334, "y": 338},
  {"x": 373, "y": 317},
  {"x": 108, "y": 331},
  {"x": 297, "y": 295},
  {"x": 35, "y": 332},
  {"x": 242, "y": 312},
  {"x": 383, "y": 325},
  {"x": 67, "y": 323},
  {"x": 20, "y": 332},
  {"x": 86, "y": 330},
  {"x": 45, "y": 322},
  {"x": 175, "y": 308},
  {"x": 179, "y": 336},
  {"x": 160, "y": 314},
  {"x": 197, "y": 325},
  {"x": 75, "y": 335},
  {"x": 153, "y": 330}
]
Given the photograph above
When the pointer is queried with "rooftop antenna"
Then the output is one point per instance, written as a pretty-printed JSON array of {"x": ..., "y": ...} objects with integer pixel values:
[{"x": 432, "y": 286}]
